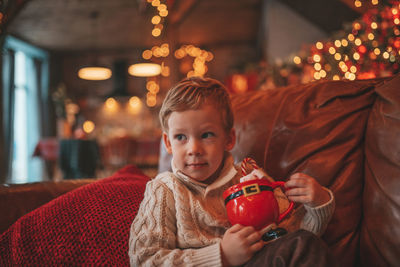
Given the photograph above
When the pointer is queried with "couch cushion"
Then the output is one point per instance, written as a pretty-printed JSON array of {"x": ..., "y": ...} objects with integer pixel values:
[
  {"x": 318, "y": 129},
  {"x": 87, "y": 226},
  {"x": 380, "y": 244}
]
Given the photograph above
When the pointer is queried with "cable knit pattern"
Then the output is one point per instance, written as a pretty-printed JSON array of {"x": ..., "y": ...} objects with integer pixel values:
[{"x": 181, "y": 222}]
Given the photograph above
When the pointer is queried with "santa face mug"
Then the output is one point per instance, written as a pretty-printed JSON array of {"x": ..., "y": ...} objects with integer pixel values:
[{"x": 252, "y": 203}]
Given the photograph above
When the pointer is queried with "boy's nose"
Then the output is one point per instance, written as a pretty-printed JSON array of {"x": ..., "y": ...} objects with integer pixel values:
[{"x": 194, "y": 147}]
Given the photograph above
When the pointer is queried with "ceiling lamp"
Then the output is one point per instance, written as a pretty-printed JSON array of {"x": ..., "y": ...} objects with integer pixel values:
[
  {"x": 144, "y": 69},
  {"x": 94, "y": 73}
]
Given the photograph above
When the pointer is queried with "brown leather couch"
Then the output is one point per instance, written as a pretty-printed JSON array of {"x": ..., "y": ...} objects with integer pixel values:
[{"x": 343, "y": 133}]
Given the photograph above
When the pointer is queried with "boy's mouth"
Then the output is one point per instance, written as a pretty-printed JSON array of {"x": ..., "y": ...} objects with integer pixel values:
[{"x": 196, "y": 165}]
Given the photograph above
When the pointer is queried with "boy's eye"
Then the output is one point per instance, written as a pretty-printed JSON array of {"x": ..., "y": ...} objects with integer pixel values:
[
  {"x": 180, "y": 137},
  {"x": 207, "y": 135}
]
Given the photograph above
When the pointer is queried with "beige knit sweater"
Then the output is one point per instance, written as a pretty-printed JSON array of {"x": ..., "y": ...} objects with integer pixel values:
[{"x": 181, "y": 222}]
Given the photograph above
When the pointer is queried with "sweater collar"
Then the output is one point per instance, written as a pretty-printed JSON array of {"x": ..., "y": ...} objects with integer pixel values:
[{"x": 227, "y": 173}]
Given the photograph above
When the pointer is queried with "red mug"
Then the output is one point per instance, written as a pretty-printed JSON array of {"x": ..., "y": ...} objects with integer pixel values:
[{"x": 252, "y": 203}]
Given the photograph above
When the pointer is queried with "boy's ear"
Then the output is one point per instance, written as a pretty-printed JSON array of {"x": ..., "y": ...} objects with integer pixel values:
[
  {"x": 231, "y": 140},
  {"x": 167, "y": 143}
]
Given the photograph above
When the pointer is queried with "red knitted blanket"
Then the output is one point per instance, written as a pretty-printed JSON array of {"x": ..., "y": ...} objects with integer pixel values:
[{"x": 87, "y": 226}]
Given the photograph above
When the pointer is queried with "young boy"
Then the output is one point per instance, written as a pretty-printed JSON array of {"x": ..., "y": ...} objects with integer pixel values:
[{"x": 182, "y": 219}]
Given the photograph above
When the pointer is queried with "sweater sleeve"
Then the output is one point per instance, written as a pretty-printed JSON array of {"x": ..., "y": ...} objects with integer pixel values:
[
  {"x": 152, "y": 239},
  {"x": 316, "y": 219}
]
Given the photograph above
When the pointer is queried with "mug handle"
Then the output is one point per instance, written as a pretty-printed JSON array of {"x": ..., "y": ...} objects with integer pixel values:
[{"x": 291, "y": 203}]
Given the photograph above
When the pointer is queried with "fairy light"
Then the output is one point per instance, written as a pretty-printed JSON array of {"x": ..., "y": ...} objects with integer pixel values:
[
  {"x": 319, "y": 45},
  {"x": 375, "y": 2},
  {"x": 332, "y": 50},
  {"x": 350, "y": 37},
  {"x": 88, "y": 126},
  {"x": 371, "y": 36},
  {"x": 385, "y": 55},
  {"x": 356, "y": 56},
  {"x": 317, "y": 66},
  {"x": 377, "y": 51},
  {"x": 338, "y": 56},
  {"x": 374, "y": 25},
  {"x": 156, "y": 19},
  {"x": 353, "y": 69},
  {"x": 357, "y": 42},
  {"x": 336, "y": 77},
  {"x": 357, "y": 3},
  {"x": 338, "y": 43},
  {"x": 344, "y": 42},
  {"x": 297, "y": 60},
  {"x": 317, "y": 58}
]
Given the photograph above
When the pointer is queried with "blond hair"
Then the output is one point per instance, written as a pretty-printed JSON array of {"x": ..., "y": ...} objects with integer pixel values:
[{"x": 191, "y": 93}]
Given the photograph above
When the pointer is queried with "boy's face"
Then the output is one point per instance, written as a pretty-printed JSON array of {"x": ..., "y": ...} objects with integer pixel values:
[{"x": 197, "y": 141}]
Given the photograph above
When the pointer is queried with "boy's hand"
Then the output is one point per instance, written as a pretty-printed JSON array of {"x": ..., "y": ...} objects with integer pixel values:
[
  {"x": 239, "y": 243},
  {"x": 305, "y": 189}
]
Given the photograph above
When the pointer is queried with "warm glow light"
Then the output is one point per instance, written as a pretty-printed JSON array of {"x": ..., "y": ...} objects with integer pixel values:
[
  {"x": 163, "y": 13},
  {"x": 88, "y": 127},
  {"x": 165, "y": 72},
  {"x": 111, "y": 105},
  {"x": 374, "y": 25},
  {"x": 371, "y": 36},
  {"x": 336, "y": 77},
  {"x": 357, "y": 26},
  {"x": 356, "y": 56},
  {"x": 94, "y": 73},
  {"x": 394, "y": 11},
  {"x": 239, "y": 83},
  {"x": 147, "y": 54},
  {"x": 156, "y": 32},
  {"x": 162, "y": 7},
  {"x": 297, "y": 60},
  {"x": 357, "y": 3},
  {"x": 338, "y": 56},
  {"x": 135, "y": 105},
  {"x": 338, "y": 43},
  {"x": 350, "y": 37},
  {"x": 151, "y": 100},
  {"x": 317, "y": 58},
  {"x": 332, "y": 50},
  {"x": 317, "y": 76},
  {"x": 358, "y": 42},
  {"x": 396, "y": 21},
  {"x": 156, "y": 19},
  {"x": 385, "y": 55},
  {"x": 353, "y": 69},
  {"x": 155, "y": 2},
  {"x": 375, "y": 2},
  {"x": 317, "y": 66},
  {"x": 144, "y": 69},
  {"x": 322, "y": 73},
  {"x": 319, "y": 45},
  {"x": 377, "y": 51},
  {"x": 345, "y": 42}
]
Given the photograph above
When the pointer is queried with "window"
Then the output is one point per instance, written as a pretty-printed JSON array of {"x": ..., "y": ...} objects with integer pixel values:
[{"x": 30, "y": 70}]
